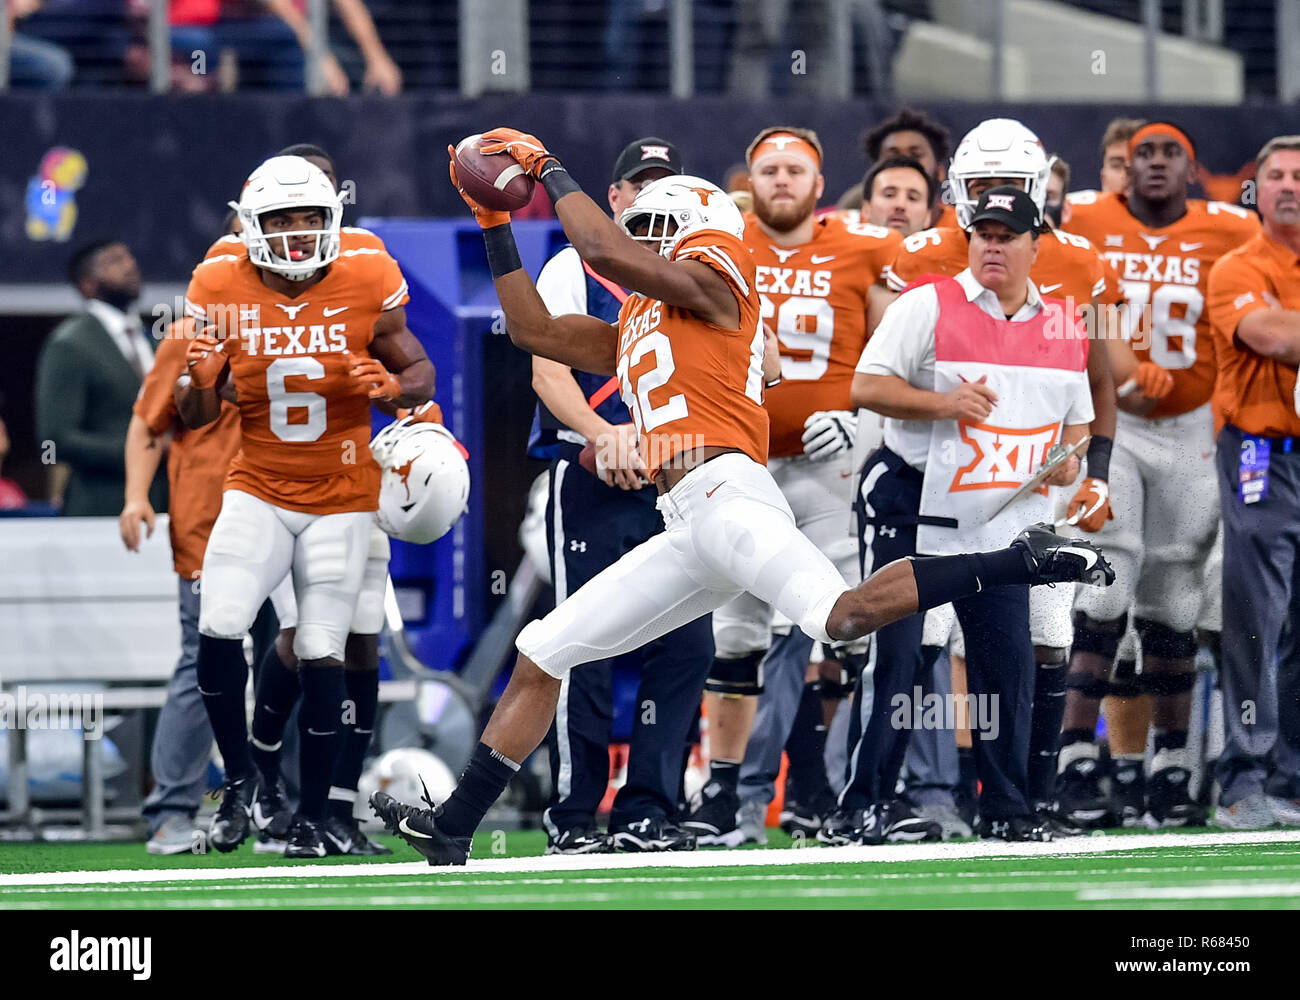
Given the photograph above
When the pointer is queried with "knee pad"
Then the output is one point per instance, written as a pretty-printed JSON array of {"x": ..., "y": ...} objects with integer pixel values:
[
  {"x": 739, "y": 676},
  {"x": 1086, "y": 685},
  {"x": 368, "y": 618},
  {"x": 226, "y": 620},
  {"x": 1165, "y": 684},
  {"x": 1124, "y": 680},
  {"x": 1163, "y": 642},
  {"x": 1101, "y": 638},
  {"x": 316, "y": 642}
]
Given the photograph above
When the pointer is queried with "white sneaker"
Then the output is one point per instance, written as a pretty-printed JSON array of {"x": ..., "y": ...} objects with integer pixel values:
[
  {"x": 176, "y": 835},
  {"x": 1251, "y": 813},
  {"x": 1285, "y": 811},
  {"x": 752, "y": 819},
  {"x": 269, "y": 845}
]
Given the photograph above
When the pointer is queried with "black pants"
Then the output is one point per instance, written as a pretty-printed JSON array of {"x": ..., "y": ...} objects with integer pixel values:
[
  {"x": 999, "y": 663},
  {"x": 589, "y": 527}
]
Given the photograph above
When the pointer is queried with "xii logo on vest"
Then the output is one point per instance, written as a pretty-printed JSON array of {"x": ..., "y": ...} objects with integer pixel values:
[{"x": 1004, "y": 456}]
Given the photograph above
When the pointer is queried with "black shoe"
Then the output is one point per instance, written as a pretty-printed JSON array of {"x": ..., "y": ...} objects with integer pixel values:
[
  {"x": 305, "y": 839},
  {"x": 1079, "y": 796},
  {"x": 271, "y": 813},
  {"x": 901, "y": 825},
  {"x": 1050, "y": 817},
  {"x": 1013, "y": 829},
  {"x": 807, "y": 819},
  {"x": 580, "y": 840},
  {"x": 713, "y": 820},
  {"x": 1053, "y": 558},
  {"x": 344, "y": 836},
  {"x": 230, "y": 825},
  {"x": 1168, "y": 801},
  {"x": 655, "y": 833},
  {"x": 851, "y": 826},
  {"x": 418, "y": 827},
  {"x": 1127, "y": 791}
]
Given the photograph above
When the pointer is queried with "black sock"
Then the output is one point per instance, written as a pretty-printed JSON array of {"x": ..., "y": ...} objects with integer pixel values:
[
  {"x": 726, "y": 773},
  {"x": 967, "y": 774},
  {"x": 222, "y": 674},
  {"x": 1045, "y": 730},
  {"x": 275, "y": 693},
  {"x": 319, "y": 729},
  {"x": 1170, "y": 739},
  {"x": 806, "y": 746},
  {"x": 358, "y": 725},
  {"x": 1069, "y": 736},
  {"x": 485, "y": 778},
  {"x": 944, "y": 579}
]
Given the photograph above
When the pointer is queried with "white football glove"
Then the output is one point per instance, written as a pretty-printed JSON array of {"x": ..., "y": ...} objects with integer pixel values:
[{"x": 828, "y": 432}]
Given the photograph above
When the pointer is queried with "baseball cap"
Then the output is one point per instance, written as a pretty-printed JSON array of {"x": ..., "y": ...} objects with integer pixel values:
[
  {"x": 1014, "y": 208},
  {"x": 643, "y": 154}
]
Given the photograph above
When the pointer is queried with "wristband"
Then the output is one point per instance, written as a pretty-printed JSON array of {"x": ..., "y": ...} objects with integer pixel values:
[
  {"x": 557, "y": 180},
  {"x": 502, "y": 254},
  {"x": 1099, "y": 457},
  {"x": 775, "y": 382}
]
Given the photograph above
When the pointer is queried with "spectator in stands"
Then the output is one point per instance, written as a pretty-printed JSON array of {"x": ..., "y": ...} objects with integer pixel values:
[
  {"x": 34, "y": 62},
  {"x": 87, "y": 378},
  {"x": 12, "y": 496},
  {"x": 1114, "y": 153},
  {"x": 274, "y": 43}
]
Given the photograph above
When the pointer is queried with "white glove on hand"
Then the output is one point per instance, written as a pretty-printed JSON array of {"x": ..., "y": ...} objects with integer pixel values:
[{"x": 828, "y": 432}]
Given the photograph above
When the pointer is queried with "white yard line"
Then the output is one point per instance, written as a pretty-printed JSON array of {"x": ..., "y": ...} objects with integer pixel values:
[
  {"x": 889, "y": 853},
  {"x": 1220, "y": 890}
]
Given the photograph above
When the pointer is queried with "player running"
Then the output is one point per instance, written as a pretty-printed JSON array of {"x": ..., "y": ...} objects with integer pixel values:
[
  {"x": 688, "y": 350},
  {"x": 309, "y": 334},
  {"x": 1163, "y": 488}
]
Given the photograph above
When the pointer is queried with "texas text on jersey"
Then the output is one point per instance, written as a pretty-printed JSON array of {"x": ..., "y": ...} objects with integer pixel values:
[
  {"x": 1164, "y": 272},
  {"x": 679, "y": 374},
  {"x": 814, "y": 297},
  {"x": 305, "y": 420}
]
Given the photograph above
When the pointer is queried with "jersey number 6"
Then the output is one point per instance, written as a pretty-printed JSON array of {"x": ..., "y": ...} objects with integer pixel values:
[{"x": 282, "y": 401}]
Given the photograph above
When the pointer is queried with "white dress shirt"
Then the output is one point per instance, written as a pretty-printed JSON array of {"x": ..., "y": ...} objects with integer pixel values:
[
  {"x": 903, "y": 345},
  {"x": 126, "y": 331}
]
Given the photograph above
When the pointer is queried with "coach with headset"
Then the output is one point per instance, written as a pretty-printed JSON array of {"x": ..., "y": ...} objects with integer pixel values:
[
  {"x": 964, "y": 428},
  {"x": 591, "y": 521}
]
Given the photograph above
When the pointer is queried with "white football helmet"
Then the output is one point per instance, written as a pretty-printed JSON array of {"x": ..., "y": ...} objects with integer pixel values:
[
  {"x": 405, "y": 774},
  {"x": 425, "y": 486},
  {"x": 289, "y": 182},
  {"x": 998, "y": 147},
  {"x": 691, "y": 202}
]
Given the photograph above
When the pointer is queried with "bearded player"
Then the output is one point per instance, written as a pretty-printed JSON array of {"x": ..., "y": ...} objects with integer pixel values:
[
  {"x": 688, "y": 349},
  {"x": 1003, "y": 151},
  {"x": 1163, "y": 484},
  {"x": 812, "y": 277},
  {"x": 309, "y": 334}
]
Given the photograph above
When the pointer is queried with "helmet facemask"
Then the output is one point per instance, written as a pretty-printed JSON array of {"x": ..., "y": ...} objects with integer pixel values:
[{"x": 660, "y": 227}]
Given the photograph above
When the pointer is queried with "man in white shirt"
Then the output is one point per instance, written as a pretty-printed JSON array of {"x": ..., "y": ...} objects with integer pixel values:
[
  {"x": 977, "y": 376},
  {"x": 87, "y": 378}
]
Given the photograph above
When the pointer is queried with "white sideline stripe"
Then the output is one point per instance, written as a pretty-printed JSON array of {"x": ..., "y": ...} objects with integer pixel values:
[
  {"x": 1223, "y": 890},
  {"x": 888, "y": 853}
]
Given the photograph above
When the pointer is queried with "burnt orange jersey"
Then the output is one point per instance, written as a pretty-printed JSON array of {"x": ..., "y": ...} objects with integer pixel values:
[
  {"x": 305, "y": 422},
  {"x": 1164, "y": 272},
  {"x": 350, "y": 238},
  {"x": 689, "y": 383},
  {"x": 814, "y": 297},
  {"x": 198, "y": 458},
  {"x": 1067, "y": 266},
  {"x": 1252, "y": 392}
]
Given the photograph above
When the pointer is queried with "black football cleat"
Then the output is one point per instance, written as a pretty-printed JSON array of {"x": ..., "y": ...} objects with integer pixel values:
[
  {"x": 1169, "y": 802},
  {"x": 1014, "y": 829},
  {"x": 1053, "y": 558},
  {"x": 343, "y": 836},
  {"x": 901, "y": 825},
  {"x": 714, "y": 820},
  {"x": 271, "y": 813},
  {"x": 852, "y": 826},
  {"x": 1079, "y": 796},
  {"x": 1050, "y": 817},
  {"x": 1127, "y": 791},
  {"x": 580, "y": 840},
  {"x": 654, "y": 833},
  {"x": 418, "y": 827},
  {"x": 230, "y": 824},
  {"x": 807, "y": 819},
  {"x": 305, "y": 840}
]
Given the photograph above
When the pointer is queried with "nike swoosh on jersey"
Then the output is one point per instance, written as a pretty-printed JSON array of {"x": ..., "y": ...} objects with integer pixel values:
[
  {"x": 714, "y": 490},
  {"x": 404, "y": 827},
  {"x": 333, "y": 312},
  {"x": 821, "y": 260},
  {"x": 1184, "y": 247},
  {"x": 1048, "y": 289}
]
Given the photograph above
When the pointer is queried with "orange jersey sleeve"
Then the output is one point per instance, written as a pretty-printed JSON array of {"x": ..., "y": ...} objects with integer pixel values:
[
  {"x": 814, "y": 297},
  {"x": 1254, "y": 393},
  {"x": 944, "y": 251},
  {"x": 1163, "y": 272},
  {"x": 689, "y": 383}
]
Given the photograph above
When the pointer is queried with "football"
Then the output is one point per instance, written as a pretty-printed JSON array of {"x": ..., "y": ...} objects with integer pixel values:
[{"x": 496, "y": 182}]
